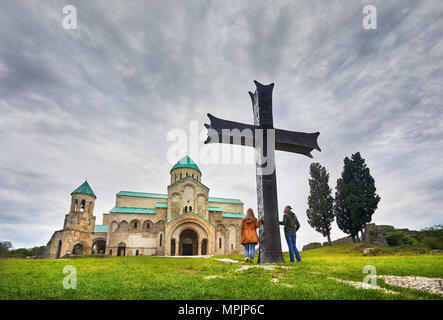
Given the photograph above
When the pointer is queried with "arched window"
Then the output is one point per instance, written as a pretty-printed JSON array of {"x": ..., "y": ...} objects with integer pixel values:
[
  {"x": 99, "y": 247},
  {"x": 180, "y": 175},
  {"x": 59, "y": 248},
  {"x": 82, "y": 205},
  {"x": 121, "y": 249},
  {"x": 190, "y": 208},
  {"x": 161, "y": 239},
  {"x": 135, "y": 224},
  {"x": 186, "y": 174},
  {"x": 75, "y": 205},
  {"x": 148, "y": 226},
  {"x": 172, "y": 247},
  {"x": 78, "y": 249},
  {"x": 204, "y": 247},
  {"x": 193, "y": 175},
  {"x": 124, "y": 226},
  {"x": 219, "y": 242}
]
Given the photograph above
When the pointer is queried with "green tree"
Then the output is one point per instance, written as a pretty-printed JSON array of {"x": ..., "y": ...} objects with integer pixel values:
[
  {"x": 7, "y": 251},
  {"x": 355, "y": 197},
  {"x": 4, "y": 248},
  {"x": 320, "y": 211}
]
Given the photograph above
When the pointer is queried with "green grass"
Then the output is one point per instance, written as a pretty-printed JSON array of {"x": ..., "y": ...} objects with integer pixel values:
[{"x": 184, "y": 278}]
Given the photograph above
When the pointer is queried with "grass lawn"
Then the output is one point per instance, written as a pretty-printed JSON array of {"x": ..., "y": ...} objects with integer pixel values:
[{"x": 184, "y": 278}]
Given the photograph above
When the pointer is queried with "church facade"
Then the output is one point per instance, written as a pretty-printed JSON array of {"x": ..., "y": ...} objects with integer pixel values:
[{"x": 183, "y": 221}]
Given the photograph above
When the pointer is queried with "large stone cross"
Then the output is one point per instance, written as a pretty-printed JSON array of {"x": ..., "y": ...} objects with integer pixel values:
[{"x": 265, "y": 139}]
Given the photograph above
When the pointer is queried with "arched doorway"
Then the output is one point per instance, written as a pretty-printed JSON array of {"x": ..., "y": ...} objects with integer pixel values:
[
  {"x": 188, "y": 243},
  {"x": 78, "y": 249},
  {"x": 99, "y": 247},
  {"x": 121, "y": 250},
  {"x": 172, "y": 247},
  {"x": 204, "y": 247},
  {"x": 59, "y": 248}
]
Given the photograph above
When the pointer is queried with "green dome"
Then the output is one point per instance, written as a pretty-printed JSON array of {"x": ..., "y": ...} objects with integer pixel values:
[
  {"x": 84, "y": 188},
  {"x": 186, "y": 162}
]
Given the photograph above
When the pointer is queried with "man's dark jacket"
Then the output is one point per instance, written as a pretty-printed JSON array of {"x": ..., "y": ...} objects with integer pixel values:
[{"x": 290, "y": 222}]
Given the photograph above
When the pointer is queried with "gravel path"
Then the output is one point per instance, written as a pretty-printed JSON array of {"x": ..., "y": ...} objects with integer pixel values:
[
  {"x": 228, "y": 260},
  {"x": 432, "y": 285},
  {"x": 363, "y": 285},
  {"x": 214, "y": 277},
  {"x": 266, "y": 267}
]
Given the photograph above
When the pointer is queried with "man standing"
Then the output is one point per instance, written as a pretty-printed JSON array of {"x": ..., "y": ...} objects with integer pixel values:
[{"x": 291, "y": 226}]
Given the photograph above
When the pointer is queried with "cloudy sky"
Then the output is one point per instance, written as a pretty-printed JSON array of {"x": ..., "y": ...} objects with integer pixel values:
[{"x": 99, "y": 102}]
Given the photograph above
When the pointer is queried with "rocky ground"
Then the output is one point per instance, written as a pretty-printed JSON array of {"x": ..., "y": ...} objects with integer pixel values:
[{"x": 432, "y": 285}]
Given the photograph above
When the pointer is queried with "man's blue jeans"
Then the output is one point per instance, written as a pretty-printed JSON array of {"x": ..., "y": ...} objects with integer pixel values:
[
  {"x": 250, "y": 250},
  {"x": 290, "y": 239}
]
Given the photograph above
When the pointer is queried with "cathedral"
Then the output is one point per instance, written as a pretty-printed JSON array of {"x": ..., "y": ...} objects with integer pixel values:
[{"x": 183, "y": 221}]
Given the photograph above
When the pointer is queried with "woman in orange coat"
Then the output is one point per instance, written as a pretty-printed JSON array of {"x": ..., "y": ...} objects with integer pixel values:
[{"x": 249, "y": 236}]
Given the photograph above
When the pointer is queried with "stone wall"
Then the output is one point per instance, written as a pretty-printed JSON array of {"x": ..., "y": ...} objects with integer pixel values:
[
  {"x": 228, "y": 207},
  {"x": 347, "y": 239},
  {"x": 312, "y": 245},
  {"x": 372, "y": 233},
  {"x": 137, "y": 202},
  {"x": 62, "y": 243},
  {"x": 140, "y": 234}
]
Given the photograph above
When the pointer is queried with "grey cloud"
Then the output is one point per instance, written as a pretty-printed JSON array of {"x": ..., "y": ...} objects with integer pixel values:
[{"x": 98, "y": 102}]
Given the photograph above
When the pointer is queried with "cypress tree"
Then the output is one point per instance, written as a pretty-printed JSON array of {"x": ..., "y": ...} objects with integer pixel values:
[
  {"x": 355, "y": 199},
  {"x": 320, "y": 202}
]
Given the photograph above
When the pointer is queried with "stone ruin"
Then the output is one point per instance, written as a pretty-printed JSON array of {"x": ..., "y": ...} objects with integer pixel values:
[{"x": 372, "y": 233}]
